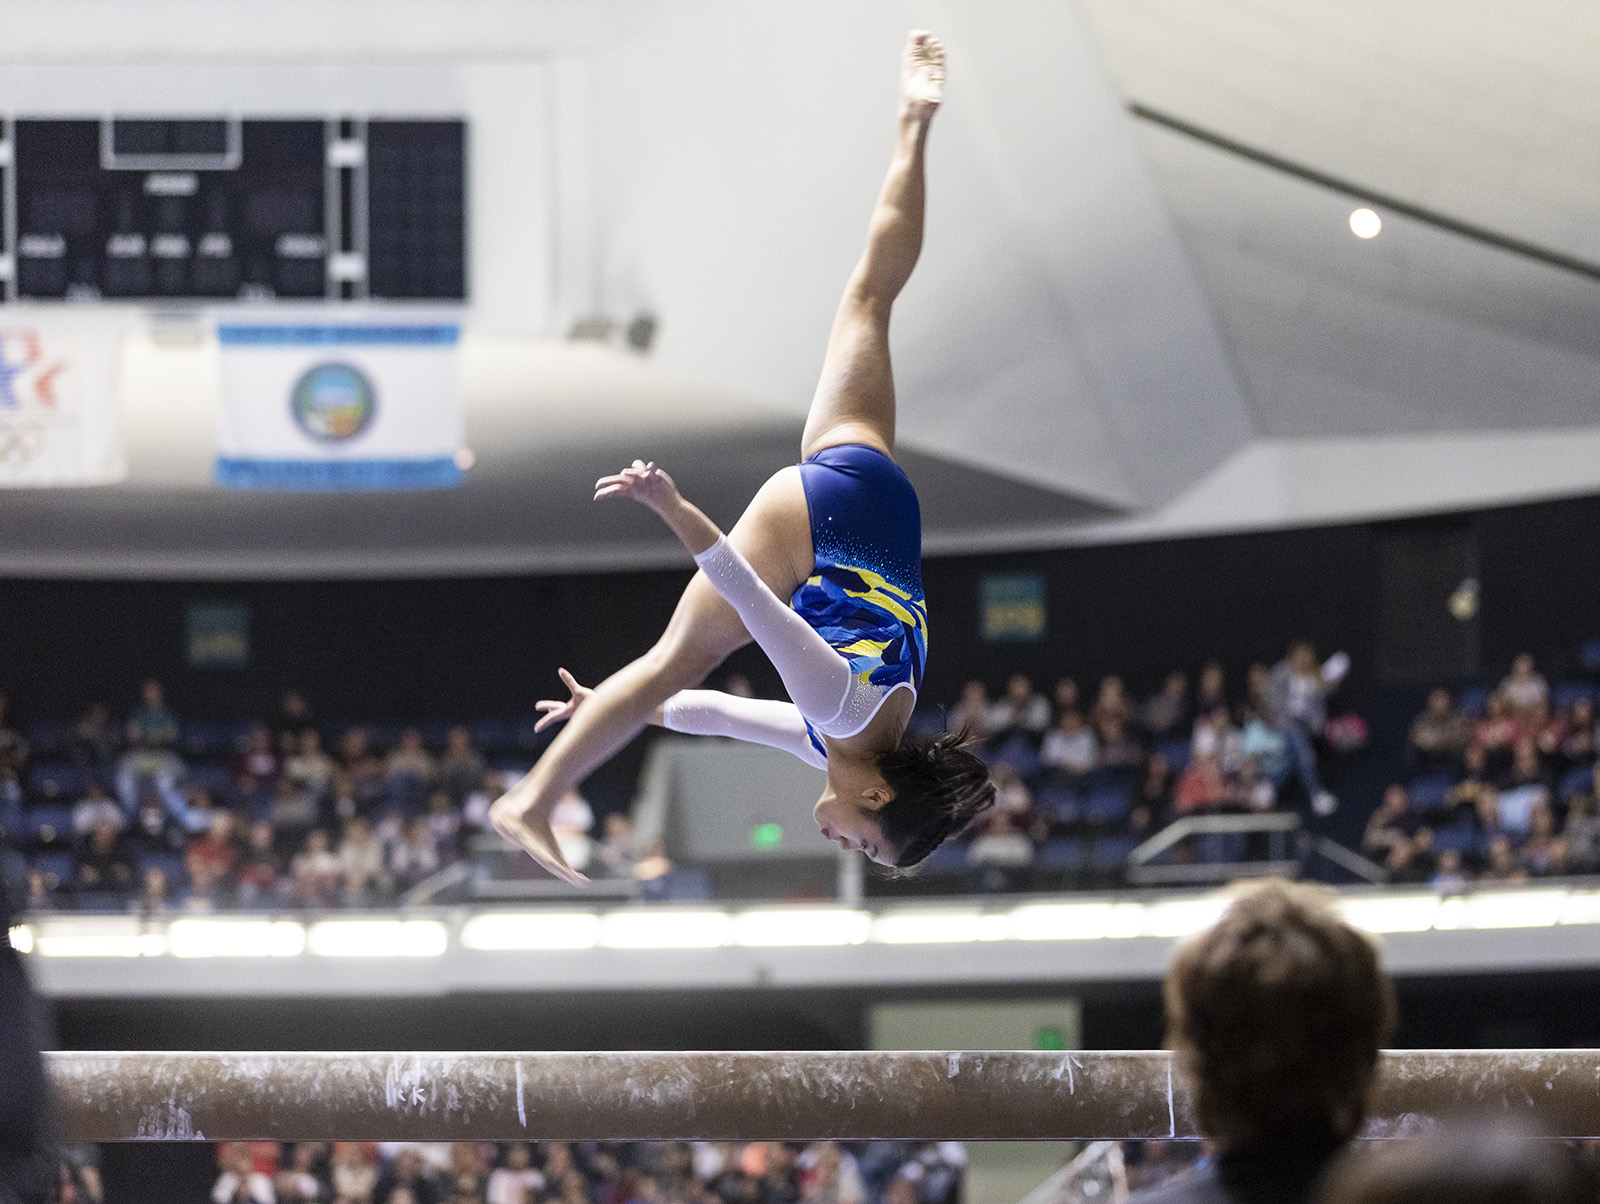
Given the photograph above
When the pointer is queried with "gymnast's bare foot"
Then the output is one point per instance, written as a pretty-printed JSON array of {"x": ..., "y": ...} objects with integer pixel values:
[
  {"x": 921, "y": 76},
  {"x": 526, "y": 824}
]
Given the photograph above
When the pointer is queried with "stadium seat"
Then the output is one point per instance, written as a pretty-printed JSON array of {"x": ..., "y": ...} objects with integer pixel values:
[
  {"x": 49, "y": 827},
  {"x": 1111, "y": 852},
  {"x": 214, "y": 779},
  {"x": 1019, "y": 753},
  {"x": 56, "y": 868},
  {"x": 1108, "y": 804},
  {"x": 948, "y": 858},
  {"x": 1428, "y": 793},
  {"x": 202, "y": 738},
  {"x": 169, "y": 864},
  {"x": 1062, "y": 853},
  {"x": 1568, "y": 692},
  {"x": 1474, "y": 700},
  {"x": 1575, "y": 782},
  {"x": 54, "y": 781},
  {"x": 1176, "y": 754},
  {"x": 1459, "y": 838},
  {"x": 1059, "y": 803},
  {"x": 491, "y": 737},
  {"x": 49, "y": 738}
]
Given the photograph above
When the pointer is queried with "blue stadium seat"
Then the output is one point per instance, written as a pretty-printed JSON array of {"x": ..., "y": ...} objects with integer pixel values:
[
  {"x": 1059, "y": 803},
  {"x": 680, "y": 886},
  {"x": 1568, "y": 692},
  {"x": 1062, "y": 853},
  {"x": 1589, "y": 656},
  {"x": 1108, "y": 804},
  {"x": 491, "y": 737},
  {"x": 1474, "y": 700},
  {"x": 1176, "y": 753},
  {"x": 169, "y": 864},
  {"x": 56, "y": 868},
  {"x": 1575, "y": 782},
  {"x": 1459, "y": 838},
  {"x": 55, "y": 781},
  {"x": 202, "y": 738},
  {"x": 1111, "y": 852},
  {"x": 1428, "y": 793},
  {"x": 948, "y": 858},
  {"x": 49, "y": 738},
  {"x": 214, "y": 779},
  {"x": 235, "y": 732},
  {"x": 48, "y": 827},
  {"x": 101, "y": 901},
  {"x": 1017, "y": 752}
]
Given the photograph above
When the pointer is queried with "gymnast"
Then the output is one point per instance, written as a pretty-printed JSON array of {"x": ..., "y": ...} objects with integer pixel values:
[{"x": 840, "y": 536}]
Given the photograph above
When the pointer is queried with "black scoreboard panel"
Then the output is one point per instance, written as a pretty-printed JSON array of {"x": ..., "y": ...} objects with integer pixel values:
[{"x": 256, "y": 210}]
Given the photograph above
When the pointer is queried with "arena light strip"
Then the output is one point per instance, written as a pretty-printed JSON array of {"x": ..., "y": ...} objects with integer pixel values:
[{"x": 801, "y": 926}]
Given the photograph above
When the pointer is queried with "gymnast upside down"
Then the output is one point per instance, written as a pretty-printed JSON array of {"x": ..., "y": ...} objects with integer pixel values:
[{"x": 840, "y": 535}]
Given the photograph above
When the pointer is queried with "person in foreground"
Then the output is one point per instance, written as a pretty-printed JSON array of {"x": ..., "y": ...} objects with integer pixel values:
[
  {"x": 840, "y": 536},
  {"x": 1276, "y": 1014}
]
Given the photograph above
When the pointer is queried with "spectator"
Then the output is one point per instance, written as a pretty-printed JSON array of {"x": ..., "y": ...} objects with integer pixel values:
[
  {"x": 40, "y": 891},
  {"x": 1201, "y": 786},
  {"x": 1412, "y": 860},
  {"x": 154, "y": 891},
  {"x": 1166, "y": 713},
  {"x": 1010, "y": 794},
  {"x": 240, "y": 1182},
  {"x": 152, "y": 723},
  {"x": 1111, "y": 704},
  {"x": 1070, "y": 746},
  {"x": 1001, "y": 843},
  {"x": 154, "y": 832},
  {"x": 1438, "y": 735},
  {"x": 1388, "y": 825},
  {"x": 1211, "y": 691},
  {"x": 360, "y": 863},
  {"x": 211, "y": 858},
  {"x": 971, "y": 713},
  {"x": 308, "y": 767},
  {"x": 1524, "y": 688},
  {"x": 1461, "y": 800},
  {"x": 1503, "y": 865},
  {"x": 571, "y": 821},
  {"x": 1297, "y": 708},
  {"x": 365, "y": 770},
  {"x": 461, "y": 768},
  {"x": 1019, "y": 712},
  {"x": 444, "y": 825},
  {"x": 316, "y": 872},
  {"x": 1277, "y": 1014},
  {"x": 475, "y": 813},
  {"x": 618, "y": 849},
  {"x": 828, "y": 1175},
  {"x": 414, "y": 855},
  {"x": 517, "y": 1182},
  {"x": 409, "y": 771},
  {"x": 13, "y": 748},
  {"x": 1526, "y": 768},
  {"x": 294, "y": 718},
  {"x": 256, "y": 768},
  {"x": 1582, "y": 829},
  {"x": 1475, "y": 1164},
  {"x": 1252, "y": 791},
  {"x": 1449, "y": 877},
  {"x": 408, "y": 1181},
  {"x": 1155, "y": 791},
  {"x": 95, "y": 739},
  {"x": 1516, "y": 807},
  {"x": 104, "y": 863},
  {"x": 1216, "y": 737},
  {"x": 303, "y": 1181},
  {"x": 1579, "y": 744},
  {"x": 1064, "y": 698},
  {"x": 257, "y": 877},
  {"x": 354, "y": 1172},
  {"x": 1497, "y": 734},
  {"x": 94, "y": 806},
  {"x": 1544, "y": 854},
  {"x": 1118, "y": 750},
  {"x": 1266, "y": 749},
  {"x": 292, "y": 813}
]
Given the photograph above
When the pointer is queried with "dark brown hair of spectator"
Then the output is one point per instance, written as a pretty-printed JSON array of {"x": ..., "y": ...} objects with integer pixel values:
[
  {"x": 1476, "y": 1164},
  {"x": 939, "y": 788},
  {"x": 1277, "y": 1014}
]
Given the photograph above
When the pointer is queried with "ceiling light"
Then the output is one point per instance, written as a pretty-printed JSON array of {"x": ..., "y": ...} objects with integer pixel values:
[
  {"x": 1364, "y": 223},
  {"x": 532, "y": 930}
]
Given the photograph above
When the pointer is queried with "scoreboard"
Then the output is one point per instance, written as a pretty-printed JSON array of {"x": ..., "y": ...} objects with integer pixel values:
[{"x": 193, "y": 209}]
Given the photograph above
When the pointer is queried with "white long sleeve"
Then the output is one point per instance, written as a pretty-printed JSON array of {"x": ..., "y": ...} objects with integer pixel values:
[
  {"x": 712, "y": 713},
  {"x": 817, "y": 677}
]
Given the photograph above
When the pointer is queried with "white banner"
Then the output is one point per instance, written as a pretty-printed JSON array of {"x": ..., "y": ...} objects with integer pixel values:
[
  {"x": 326, "y": 402},
  {"x": 59, "y": 386}
]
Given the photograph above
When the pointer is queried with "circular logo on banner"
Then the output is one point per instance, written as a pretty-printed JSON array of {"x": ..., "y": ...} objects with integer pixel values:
[{"x": 333, "y": 403}]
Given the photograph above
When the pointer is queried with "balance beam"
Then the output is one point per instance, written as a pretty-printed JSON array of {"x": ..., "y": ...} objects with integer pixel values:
[{"x": 972, "y": 1095}]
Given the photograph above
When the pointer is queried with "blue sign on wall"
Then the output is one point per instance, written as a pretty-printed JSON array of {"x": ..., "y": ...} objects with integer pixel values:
[
  {"x": 218, "y": 635},
  {"x": 1012, "y": 606}
]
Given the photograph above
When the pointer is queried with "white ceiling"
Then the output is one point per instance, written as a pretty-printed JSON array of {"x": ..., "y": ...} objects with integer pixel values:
[{"x": 1115, "y": 332}]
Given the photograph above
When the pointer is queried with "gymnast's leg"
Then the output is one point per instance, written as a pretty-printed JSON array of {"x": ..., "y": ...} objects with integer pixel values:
[{"x": 854, "y": 401}]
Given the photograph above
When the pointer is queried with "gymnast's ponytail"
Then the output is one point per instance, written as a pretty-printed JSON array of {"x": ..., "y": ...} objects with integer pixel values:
[{"x": 939, "y": 786}]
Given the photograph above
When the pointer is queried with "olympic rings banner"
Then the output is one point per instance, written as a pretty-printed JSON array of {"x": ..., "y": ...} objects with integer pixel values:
[
  {"x": 315, "y": 403},
  {"x": 59, "y": 389}
]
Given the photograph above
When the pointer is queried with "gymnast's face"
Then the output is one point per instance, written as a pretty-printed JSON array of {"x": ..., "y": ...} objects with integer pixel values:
[{"x": 848, "y": 810}]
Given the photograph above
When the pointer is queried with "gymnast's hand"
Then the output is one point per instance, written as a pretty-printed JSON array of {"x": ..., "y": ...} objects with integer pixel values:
[
  {"x": 528, "y": 827},
  {"x": 650, "y": 486},
  {"x": 644, "y": 483},
  {"x": 556, "y": 712}
]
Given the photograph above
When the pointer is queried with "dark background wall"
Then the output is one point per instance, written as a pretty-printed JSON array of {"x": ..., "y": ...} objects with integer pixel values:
[{"x": 490, "y": 646}]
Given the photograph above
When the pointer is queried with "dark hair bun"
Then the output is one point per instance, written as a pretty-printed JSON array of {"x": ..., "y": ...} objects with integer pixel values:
[{"x": 940, "y": 786}]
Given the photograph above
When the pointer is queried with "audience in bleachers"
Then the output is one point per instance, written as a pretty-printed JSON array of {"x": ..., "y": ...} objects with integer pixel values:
[
  {"x": 1496, "y": 785},
  {"x": 608, "y": 1172}
]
